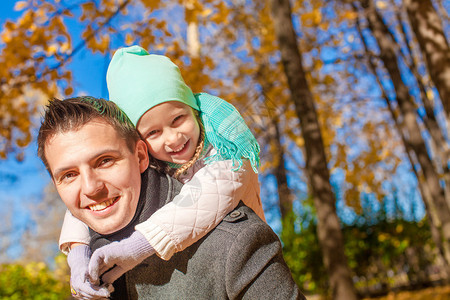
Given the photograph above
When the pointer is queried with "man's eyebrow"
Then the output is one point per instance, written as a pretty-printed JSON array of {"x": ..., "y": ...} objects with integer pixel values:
[
  {"x": 94, "y": 157},
  {"x": 59, "y": 171}
]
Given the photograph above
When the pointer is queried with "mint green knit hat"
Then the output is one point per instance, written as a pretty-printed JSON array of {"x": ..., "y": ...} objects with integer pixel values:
[{"x": 138, "y": 81}]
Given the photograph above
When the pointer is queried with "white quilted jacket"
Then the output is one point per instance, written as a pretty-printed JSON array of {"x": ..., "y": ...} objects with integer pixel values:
[{"x": 209, "y": 193}]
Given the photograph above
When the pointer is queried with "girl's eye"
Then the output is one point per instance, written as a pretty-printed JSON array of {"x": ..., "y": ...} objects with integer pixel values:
[
  {"x": 177, "y": 119},
  {"x": 152, "y": 133}
]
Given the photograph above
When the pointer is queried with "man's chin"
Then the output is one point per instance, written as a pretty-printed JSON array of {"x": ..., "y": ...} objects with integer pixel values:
[
  {"x": 105, "y": 231},
  {"x": 105, "y": 226}
]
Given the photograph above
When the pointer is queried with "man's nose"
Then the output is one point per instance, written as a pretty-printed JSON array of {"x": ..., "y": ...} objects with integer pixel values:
[{"x": 92, "y": 184}]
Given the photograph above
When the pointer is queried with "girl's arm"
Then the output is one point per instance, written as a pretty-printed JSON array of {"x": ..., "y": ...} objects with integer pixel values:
[
  {"x": 73, "y": 231},
  {"x": 202, "y": 203}
]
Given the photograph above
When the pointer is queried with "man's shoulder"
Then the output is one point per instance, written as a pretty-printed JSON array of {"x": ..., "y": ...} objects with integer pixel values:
[
  {"x": 243, "y": 221},
  {"x": 242, "y": 255}
]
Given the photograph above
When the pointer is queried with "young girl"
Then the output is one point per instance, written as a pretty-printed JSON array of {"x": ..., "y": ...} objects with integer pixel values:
[{"x": 199, "y": 139}]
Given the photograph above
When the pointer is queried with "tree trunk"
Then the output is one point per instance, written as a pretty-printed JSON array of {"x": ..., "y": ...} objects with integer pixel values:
[
  {"x": 408, "y": 113},
  {"x": 440, "y": 144},
  {"x": 428, "y": 29},
  {"x": 192, "y": 36},
  {"x": 328, "y": 226},
  {"x": 285, "y": 197}
]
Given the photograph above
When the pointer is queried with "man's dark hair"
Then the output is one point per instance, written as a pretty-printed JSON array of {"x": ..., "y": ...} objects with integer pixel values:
[{"x": 71, "y": 114}]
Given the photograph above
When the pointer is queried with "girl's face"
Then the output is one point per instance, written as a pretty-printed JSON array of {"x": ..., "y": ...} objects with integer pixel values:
[{"x": 171, "y": 131}]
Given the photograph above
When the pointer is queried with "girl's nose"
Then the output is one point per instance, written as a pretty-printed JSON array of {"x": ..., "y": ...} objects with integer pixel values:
[{"x": 171, "y": 137}]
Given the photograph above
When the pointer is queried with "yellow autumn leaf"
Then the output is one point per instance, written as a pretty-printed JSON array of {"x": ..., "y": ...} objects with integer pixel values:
[
  {"x": 337, "y": 122},
  {"x": 65, "y": 48},
  {"x": 6, "y": 36},
  {"x": 385, "y": 154},
  {"x": 312, "y": 18},
  {"x": 27, "y": 19},
  {"x": 206, "y": 12},
  {"x": 104, "y": 42},
  {"x": 381, "y": 4},
  {"x": 88, "y": 6},
  {"x": 68, "y": 91},
  {"x": 299, "y": 141},
  {"x": 52, "y": 49},
  {"x": 20, "y": 5},
  {"x": 306, "y": 17},
  {"x": 151, "y": 4},
  {"x": 159, "y": 46},
  {"x": 317, "y": 16},
  {"x": 324, "y": 26},
  {"x": 328, "y": 79},
  {"x": 350, "y": 15},
  {"x": 382, "y": 237},
  {"x": 41, "y": 15},
  {"x": 129, "y": 39},
  {"x": 430, "y": 95}
]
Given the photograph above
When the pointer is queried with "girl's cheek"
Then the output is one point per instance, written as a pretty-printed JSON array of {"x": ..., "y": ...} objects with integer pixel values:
[{"x": 151, "y": 145}]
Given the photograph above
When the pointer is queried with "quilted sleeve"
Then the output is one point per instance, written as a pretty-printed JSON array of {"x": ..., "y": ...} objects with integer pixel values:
[
  {"x": 202, "y": 203},
  {"x": 73, "y": 231}
]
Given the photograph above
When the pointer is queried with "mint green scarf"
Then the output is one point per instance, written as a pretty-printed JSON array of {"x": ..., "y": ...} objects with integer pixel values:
[{"x": 226, "y": 130}]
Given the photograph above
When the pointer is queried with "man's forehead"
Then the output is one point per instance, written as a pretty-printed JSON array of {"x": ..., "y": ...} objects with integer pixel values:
[
  {"x": 67, "y": 130},
  {"x": 84, "y": 143}
]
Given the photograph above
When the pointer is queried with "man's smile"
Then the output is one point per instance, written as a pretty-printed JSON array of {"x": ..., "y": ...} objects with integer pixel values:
[{"x": 103, "y": 205}]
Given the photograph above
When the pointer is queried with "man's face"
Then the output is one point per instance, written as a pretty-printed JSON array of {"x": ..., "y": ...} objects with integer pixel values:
[{"x": 96, "y": 175}]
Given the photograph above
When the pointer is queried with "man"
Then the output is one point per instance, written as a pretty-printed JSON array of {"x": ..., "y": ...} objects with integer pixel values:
[{"x": 99, "y": 164}]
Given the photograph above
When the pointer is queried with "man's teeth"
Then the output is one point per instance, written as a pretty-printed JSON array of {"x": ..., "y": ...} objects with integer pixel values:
[{"x": 103, "y": 205}]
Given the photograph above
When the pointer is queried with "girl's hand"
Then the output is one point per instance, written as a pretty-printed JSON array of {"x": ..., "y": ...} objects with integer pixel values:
[
  {"x": 80, "y": 286},
  {"x": 119, "y": 257}
]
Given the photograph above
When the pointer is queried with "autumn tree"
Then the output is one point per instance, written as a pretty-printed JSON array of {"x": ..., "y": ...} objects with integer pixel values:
[
  {"x": 388, "y": 55},
  {"x": 428, "y": 28},
  {"x": 423, "y": 187},
  {"x": 328, "y": 226}
]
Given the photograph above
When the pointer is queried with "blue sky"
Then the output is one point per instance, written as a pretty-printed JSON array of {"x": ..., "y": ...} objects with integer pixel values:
[{"x": 22, "y": 183}]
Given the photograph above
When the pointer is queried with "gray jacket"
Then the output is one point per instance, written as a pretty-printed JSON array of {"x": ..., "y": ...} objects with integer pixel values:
[{"x": 240, "y": 259}]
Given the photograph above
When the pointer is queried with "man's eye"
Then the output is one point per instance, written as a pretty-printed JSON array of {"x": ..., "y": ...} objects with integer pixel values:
[
  {"x": 67, "y": 177},
  {"x": 106, "y": 161}
]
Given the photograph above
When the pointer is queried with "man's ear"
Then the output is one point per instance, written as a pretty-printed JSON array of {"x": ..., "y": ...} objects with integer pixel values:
[{"x": 142, "y": 154}]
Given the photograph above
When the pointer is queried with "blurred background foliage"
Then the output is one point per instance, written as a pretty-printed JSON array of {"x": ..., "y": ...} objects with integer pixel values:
[
  {"x": 35, "y": 281},
  {"x": 349, "y": 99}
]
